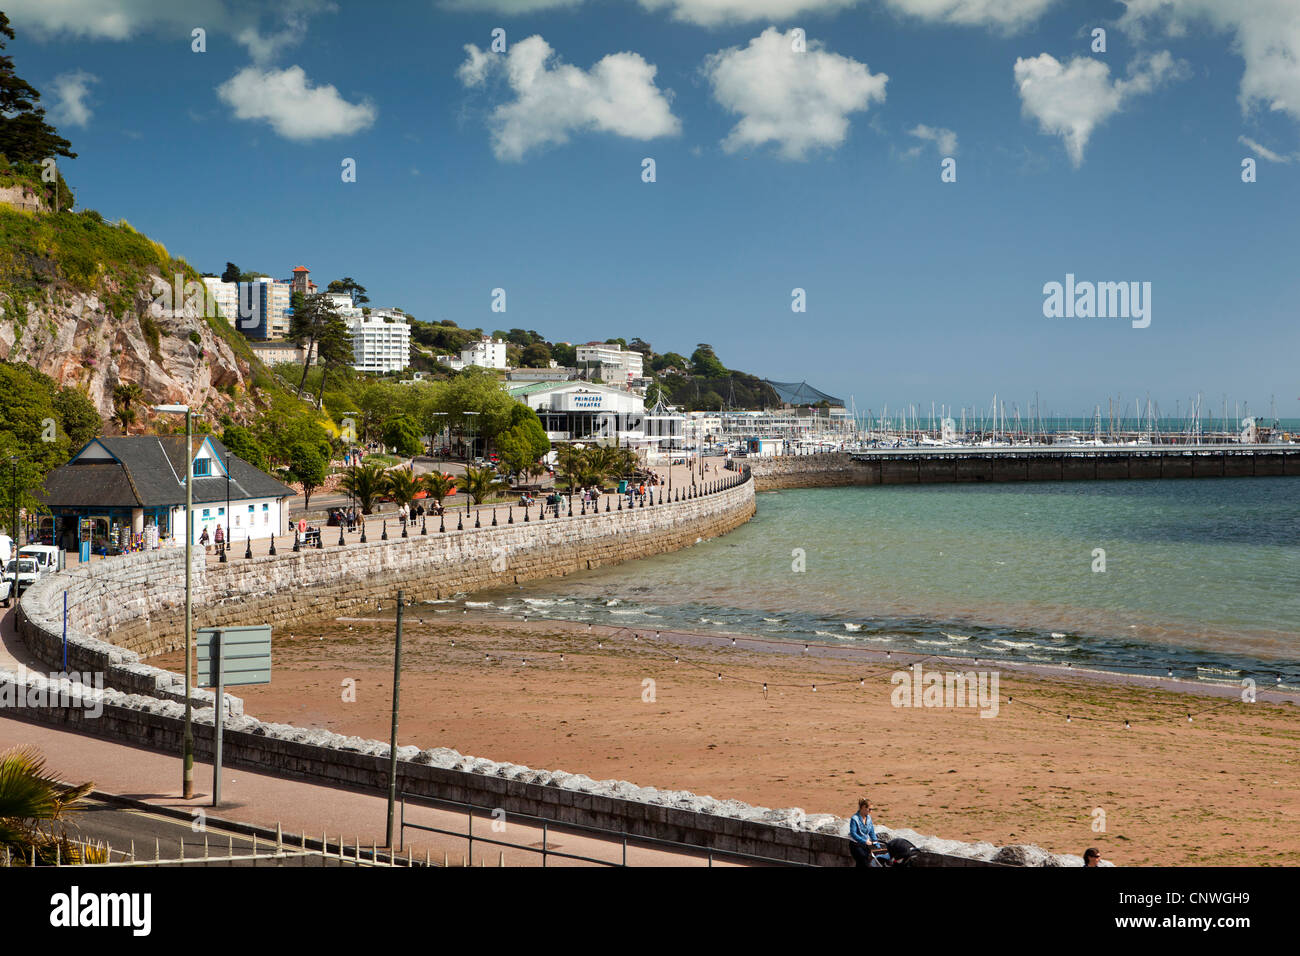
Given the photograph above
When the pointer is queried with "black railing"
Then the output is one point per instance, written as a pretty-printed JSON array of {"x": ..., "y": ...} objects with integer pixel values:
[{"x": 620, "y": 837}]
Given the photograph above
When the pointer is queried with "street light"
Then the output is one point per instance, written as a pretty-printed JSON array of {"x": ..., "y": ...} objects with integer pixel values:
[
  {"x": 187, "y": 747},
  {"x": 225, "y": 545},
  {"x": 13, "y": 550},
  {"x": 467, "y": 457}
]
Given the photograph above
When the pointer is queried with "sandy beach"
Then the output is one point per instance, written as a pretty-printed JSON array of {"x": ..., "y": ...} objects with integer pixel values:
[{"x": 1221, "y": 789}]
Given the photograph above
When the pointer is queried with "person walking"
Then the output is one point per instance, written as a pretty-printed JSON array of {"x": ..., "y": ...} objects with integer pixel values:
[
  {"x": 203, "y": 540},
  {"x": 220, "y": 538}
]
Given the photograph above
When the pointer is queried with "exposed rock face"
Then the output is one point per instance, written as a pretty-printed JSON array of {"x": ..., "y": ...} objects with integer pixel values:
[{"x": 75, "y": 338}]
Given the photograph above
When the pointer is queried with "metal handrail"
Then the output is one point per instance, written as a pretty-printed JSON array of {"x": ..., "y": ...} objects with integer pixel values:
[{"x": 546, "y": 851}]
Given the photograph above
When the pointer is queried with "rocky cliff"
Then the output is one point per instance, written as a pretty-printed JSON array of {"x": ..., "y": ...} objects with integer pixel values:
[{"x": 81, "y": 300}]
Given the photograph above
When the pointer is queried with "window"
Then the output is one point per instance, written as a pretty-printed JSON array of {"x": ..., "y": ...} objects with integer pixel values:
[
  {"x": 207, "y": 514},
  {"x": 202, "y": 467}
]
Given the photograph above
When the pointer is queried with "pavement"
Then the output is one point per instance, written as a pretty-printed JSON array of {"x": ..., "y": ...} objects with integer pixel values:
[{"x": 268, "y": 801}]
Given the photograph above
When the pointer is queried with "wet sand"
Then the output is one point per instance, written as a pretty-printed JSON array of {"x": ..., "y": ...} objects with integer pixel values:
[{"x": 1222, "y": 789}]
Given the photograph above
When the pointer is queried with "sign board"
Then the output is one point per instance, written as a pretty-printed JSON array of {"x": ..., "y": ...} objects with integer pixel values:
[{"x": 245, "y": 657}]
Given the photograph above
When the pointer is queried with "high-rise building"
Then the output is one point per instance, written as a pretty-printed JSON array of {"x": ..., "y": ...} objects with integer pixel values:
[
  {"x": 613, "y": 363},
  {"x": 381, "y": 341},
  {"x": 259, "y": 309}
]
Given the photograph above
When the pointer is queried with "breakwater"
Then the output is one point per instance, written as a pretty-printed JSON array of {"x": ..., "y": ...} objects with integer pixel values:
[{"x": 899, "y": 466}]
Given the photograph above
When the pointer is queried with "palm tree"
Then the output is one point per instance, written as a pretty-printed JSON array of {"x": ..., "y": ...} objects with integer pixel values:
[
  {"x": 572, "y": 463},
  {"x": 125, "y": 396},
  {"x": 437, "y": 485},
  {"x": 32, "y": 806},
  {"x": 481, "y": 483},
  {"x": 365, "y": 483},
  {"x": 402, "y": 485}
]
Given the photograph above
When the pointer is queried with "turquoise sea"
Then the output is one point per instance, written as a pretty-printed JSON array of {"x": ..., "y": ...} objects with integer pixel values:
[{"x": 1201, "y": 577}]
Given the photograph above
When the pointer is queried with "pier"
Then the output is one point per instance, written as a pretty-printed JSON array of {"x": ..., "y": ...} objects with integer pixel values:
[{"x": 934, "y": 465}]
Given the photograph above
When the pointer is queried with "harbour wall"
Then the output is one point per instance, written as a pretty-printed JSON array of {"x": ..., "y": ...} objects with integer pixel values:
[{"x": 901, "y": 467}]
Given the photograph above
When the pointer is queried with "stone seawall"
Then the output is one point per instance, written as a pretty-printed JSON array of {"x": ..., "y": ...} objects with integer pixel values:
[
  {"x": 919, "y": 467},
  {"x": 124, "y": 609}
]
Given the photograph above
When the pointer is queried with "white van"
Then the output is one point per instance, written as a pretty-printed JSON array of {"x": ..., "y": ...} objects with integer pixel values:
[
  {"x": 47, "y": 557},
  {"x": 6, "y": 547}
]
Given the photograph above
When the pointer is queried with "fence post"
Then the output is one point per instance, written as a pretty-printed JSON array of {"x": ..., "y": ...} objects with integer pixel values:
[
  {"x": 471, "y": 832},
  {"x": 543, "y": 843}
]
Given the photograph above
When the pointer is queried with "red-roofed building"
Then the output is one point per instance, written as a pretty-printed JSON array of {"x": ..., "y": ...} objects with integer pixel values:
[{"x": 301, "y": 282}]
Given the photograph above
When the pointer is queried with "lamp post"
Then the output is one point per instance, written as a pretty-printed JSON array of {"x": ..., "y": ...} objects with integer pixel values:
[
  {"x": 187, "y": 747},
  {"x": 436, "y": 436},
  {"x": 13, "y": 552},
  {"x": 225, "y": 545},
  {"x": 469, "y": 453}
]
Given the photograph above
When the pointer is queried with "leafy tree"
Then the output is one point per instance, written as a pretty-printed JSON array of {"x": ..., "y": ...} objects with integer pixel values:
[
  {"x": 403, "y": 436},
  {"x": 537, "y": 355},
  {"x": 351, "y": 287},
  {"x": 25, "y": 137},
  {"x": 231, "y": 274},
  {"x": 307, "y": 465},
  {"x": 705, "y": 362},
  {"x": 33, "y": 805},
  {"x": 242, "y": 443},
  {"x": 437, "y": 485},
  {"x": 564, "y": 354},
  {"x": 366, "y": 482},
  {"x": 126, "y": 395},
  {"x": 402, "y": 485},
  {"x": 333, "y": 350},
  {"x": 314, "y": 319},
  {"x": 481, "y": 483},
  {"x": 78, "y": 415}
]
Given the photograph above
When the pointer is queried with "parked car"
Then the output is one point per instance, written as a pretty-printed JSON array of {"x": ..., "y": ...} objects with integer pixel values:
[
  {"x": 47, "y": 558},
  {"x": 20, "y": 574}
]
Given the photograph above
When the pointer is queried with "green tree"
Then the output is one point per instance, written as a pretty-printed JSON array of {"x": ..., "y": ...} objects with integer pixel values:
[
  {"x": 403, "y": 436},
  {"x": 705, "y": 362},
  {"x": 241, "y": 442},
  {"x": 537, "y": 355},
  {"x": 231, "y": 274},
  {"x": 126, "y": 395},
  {"x": 366, "y": 482},
  {"x": 308, "y": 466},
  {"x": 33, "y": 806},
  {"x": 564, "y": 354},
  {"x": 25, "y": 137},
  {"x": 314, "y": 318},
  {"x": 402, "y": 485},
  {"x": 333, "y": 350},
  {"x": 78, "y": 416},
  {"x": 437, "y": 485},
  {"x": 352, "y": 288},
  {"x": 481, "y": 483}
]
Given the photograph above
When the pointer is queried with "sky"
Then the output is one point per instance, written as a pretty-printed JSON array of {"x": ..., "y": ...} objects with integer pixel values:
[{"x": 796, "y": 145}]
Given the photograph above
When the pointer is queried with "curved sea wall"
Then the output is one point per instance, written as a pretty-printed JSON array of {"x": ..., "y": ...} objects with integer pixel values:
[
  {"x": 124, "y": 609},
  {"x": 920, "y": 466}
]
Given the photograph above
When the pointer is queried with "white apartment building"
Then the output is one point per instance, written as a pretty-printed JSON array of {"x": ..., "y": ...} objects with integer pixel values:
[
  {"x": 278, "y": 353},
  {"x": 486, "y": 353},
  {"x": 616, "y": 364},
  {"x": 381, "y": 341},
  {"x": 259, "y": 309}
]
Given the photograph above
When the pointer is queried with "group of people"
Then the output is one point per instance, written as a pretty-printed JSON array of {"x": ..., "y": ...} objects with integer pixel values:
[{"x": 868, "y": 850}]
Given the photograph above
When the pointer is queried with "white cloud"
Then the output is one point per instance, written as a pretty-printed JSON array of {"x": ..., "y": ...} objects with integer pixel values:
[
  {"x": 553, "y": 99},
  {"x": 505, "y": 7},
  {"x": 944, "y": 139},
  {"x": 1004, "y": 14},
  {"x": 800, "y": 101},
  {"x": 70, "y": 91},
  {"x": 1264, "y": 151},
  {"x": 111, "y": 19},
  {"x": 1070, "y": 100},
  {"x": 291, "y": 105},
  {"x": 1266, "y": 34}
]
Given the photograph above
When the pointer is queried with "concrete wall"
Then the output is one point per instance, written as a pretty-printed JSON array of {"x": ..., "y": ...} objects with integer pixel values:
[{"x": 834, "y": 469}]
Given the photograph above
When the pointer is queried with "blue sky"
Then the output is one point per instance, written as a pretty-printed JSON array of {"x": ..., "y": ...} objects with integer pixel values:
[{"x": 775, "y": 170}]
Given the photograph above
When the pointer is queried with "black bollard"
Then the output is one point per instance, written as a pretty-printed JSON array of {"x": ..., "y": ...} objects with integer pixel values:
[
  {"x": 442, "y": 525},
  {"x": 606, "y": 506},
  {"x": 460, "y": 521},
  {"x": 272, "y": 552},
  {"x": 510, "y": 514},
  {"x": 248, "y": 546},
  {"x": 404, "y": 526},
  {"x": 620, "y": 502},
  {"x": 541, "y": 513},
  {"x": 424, "y": 524},
  {"x": 320, "y": 542},
  {"x": 494, "y": 516},
  {"x": 296, "y": 546},
  {"x": 476, "y": 521},
  {"x": 363, "y": 530},
  {"x": 384, "y": 536},
  {"x": 584, "y": 506},
  {"x": 525, "y": 512},
  {"x": 341, "y": 541}
]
